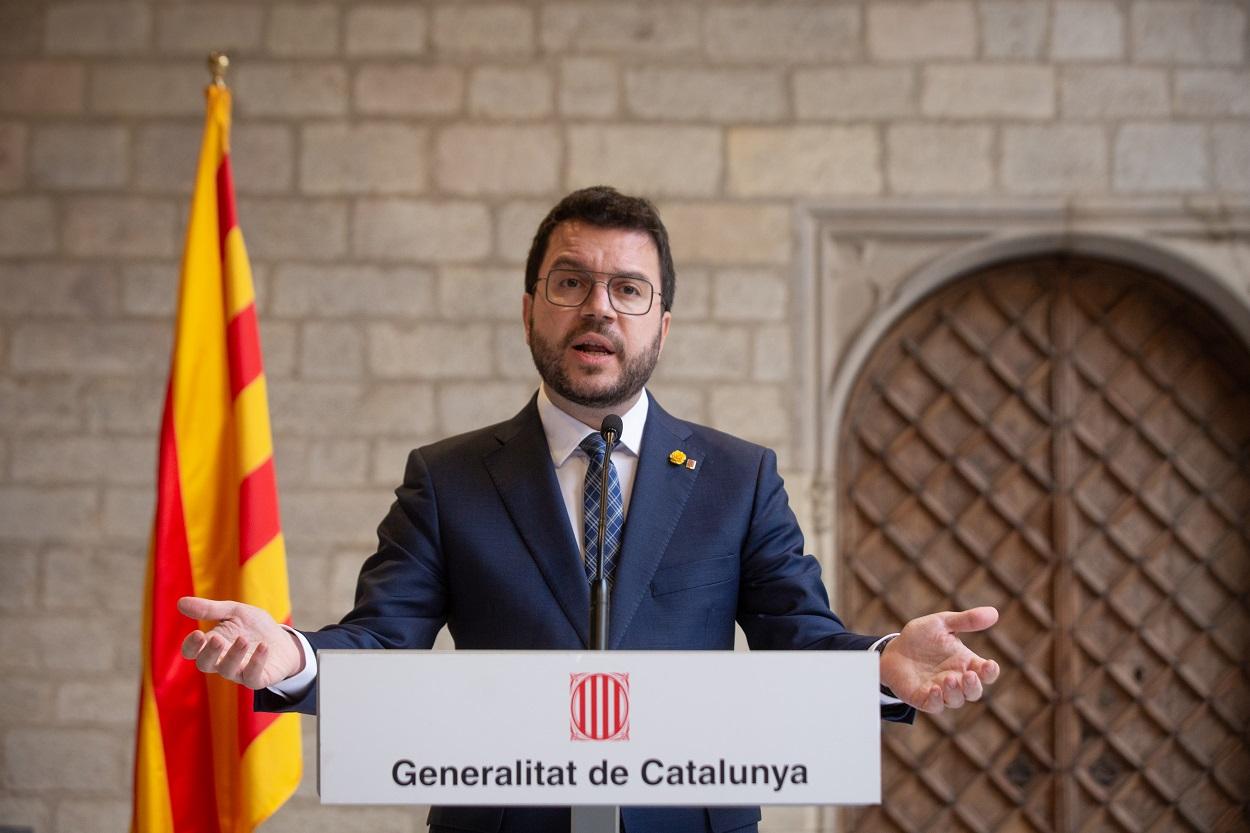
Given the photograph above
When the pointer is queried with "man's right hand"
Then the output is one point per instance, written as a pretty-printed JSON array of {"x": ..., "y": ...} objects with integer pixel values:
[{"x": 246, "y": 646}]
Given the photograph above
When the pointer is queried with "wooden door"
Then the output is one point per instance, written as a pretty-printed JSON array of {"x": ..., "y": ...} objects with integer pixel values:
[{"x": 1069, "y": 440}]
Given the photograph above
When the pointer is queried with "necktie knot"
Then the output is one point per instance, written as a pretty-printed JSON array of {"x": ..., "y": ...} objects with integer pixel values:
[{"x": 594, "y": 445}]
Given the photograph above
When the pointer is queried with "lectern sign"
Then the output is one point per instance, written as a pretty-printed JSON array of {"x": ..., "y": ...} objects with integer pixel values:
[{"x": 554, "y": 728}]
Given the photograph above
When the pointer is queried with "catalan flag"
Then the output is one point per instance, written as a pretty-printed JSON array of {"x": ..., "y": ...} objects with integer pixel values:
[{"x": 205, "y": 762}]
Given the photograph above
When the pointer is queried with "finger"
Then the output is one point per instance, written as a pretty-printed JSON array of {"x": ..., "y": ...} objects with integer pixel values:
[
  {"x": 967, "y": 621},
  {"x": 209, "y": 655},
  {"x": 952, "y": 692},
  {"x": 253, "y": 674},
  {"x": 971, "y": 686},
  {"x": 932, "y": 702},
  {"x": 192, "y": 644},
  {"x": 987, "y": 670},
  {"x": 233, "y": 659},
  {"x": 210, "y": 609}
]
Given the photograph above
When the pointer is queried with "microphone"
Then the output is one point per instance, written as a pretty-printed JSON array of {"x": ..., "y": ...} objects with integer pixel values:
[{"x": 600, "y": 600}]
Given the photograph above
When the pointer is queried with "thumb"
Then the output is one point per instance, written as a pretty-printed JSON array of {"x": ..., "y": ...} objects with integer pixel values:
[
  {"x": 199, "y": 608},
  {"x": 974, "y": 619}
]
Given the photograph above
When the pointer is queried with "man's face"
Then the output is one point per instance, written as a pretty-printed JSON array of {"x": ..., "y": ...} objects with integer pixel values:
[{"x": 592, "y": 355}]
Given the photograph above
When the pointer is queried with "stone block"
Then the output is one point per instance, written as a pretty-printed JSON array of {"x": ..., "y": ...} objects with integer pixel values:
[
  {"x": 85, "y": 348},
  {"x": 1054, "y": 159},
  {"x": 23, "y": 25},
  {"x": 693, "y": 299},
  {"x": 485, "y": 29},
  {"x": 73, "y": 816},
  {"x": 817, "y": 161},
  {"x": 707, "y": 352},
  {"x": 1087, "y": 30},
  {"x": 430, "y": 351},
  {"x": 916, "y": 31},
  {"x": 150, "y": 289},
  {"x": 939, "y": 159},
  {"x": 463, "y": 406},
  {"x": 749, "y": 295},
  {"x": 92, "y": 580},
  {"x": 1113, "y": 92},
  {"x": 19, "y": 579},
  {"x": 303, "y": 30},
  {"x": 75, "y": 760},
  {"x": 321, "y": 819},
  {"x": 35, "y": 405},
  {"x": 278, "y": 342},
  {"x": 70, "y": 290},
  {"x": 728, "y": 233},
  {"x": 262, "y": 158},
  {"x": 1188, "y": 32},
  {"x": 985, "y": 91},
  {"x": 27, "y": 226},
  {"x": 128, "y": 513},
  {"x": 1231, "y": 144},
  {"x": 1212, "y": 92},
  {"x": 97, "y": 28},
  {"x": 123, "y": 405},
  {"x": 121, "y": 226},
  {"x": 1013, "y": 28},
  {"x": 42, "y": 87},
  {"x": 60, "y": 513},
  {"x": 165, "y": 157},
  {"x": 499, "y": 92},
  {"x": 395, "y": 229},
  {"x": 588, "y": 88},
  {"x": 302, "y": 289},
  {"x": 772, "y": 349},
  {"x": 338, "y": 462},
  {"x": 390, "y": 458},
  {"x": 12, "y": 155},
  {"x": 200, "y": 28},
  {"x": 683, "y": 401},
  {"x": 328, "y": 516},
  {"x": 57, "y": 644},
  {"x": 80, "y": 157},
  {"x": 83, "y": 459},
  {"x": 474, "y": 160},
  {"x": 408, "y": 90},
  {"x": 98, "y": 701},
  {"x": 850, "y": 93},
  {"x": 364, "y": 158},
  {"x": 648, "y": 159},
  {"x": 32, "y": 699},
  {"x": 516, "y": 223},
  {"x": 512, "y": 357},
  {"x": 331, "y": 350},
  {"x": 786, "y": 32},
  {"x": 695, "y": 94},
  {"x": 1161, "y": 157},
  {"x": 148, "y": 89},
  {"x": 386, "y": 30},
  {"x": 287, "y": 89},
  {"x": 349, "y": 409},
  {"x": 626, "y": 28},
  {"x": 756, "y": 412},
  {"x": 294, "y": 228},
  {"x": 467, "y": 293}
]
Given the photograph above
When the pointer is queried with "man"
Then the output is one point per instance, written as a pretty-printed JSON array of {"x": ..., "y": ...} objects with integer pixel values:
[{"x": 490, "y": 533}]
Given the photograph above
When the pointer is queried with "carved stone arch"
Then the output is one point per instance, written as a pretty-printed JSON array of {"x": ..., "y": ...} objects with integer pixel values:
[{"x": 1051, "y": 423}]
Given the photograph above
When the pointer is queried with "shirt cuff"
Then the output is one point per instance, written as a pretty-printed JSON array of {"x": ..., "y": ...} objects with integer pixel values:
[
  {"x": 295, "y": 687},
  {"x": 879, "y": 645}
]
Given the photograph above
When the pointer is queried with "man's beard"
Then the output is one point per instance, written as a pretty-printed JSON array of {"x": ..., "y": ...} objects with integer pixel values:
[{"x": 635, "y": 370}]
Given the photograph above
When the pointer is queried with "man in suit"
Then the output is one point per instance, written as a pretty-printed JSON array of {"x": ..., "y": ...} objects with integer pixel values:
[{"x": 491, "y": 534}]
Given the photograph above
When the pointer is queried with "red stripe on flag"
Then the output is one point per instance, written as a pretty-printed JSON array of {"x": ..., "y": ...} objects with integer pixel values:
[
  {"x": 251, "y": 722},
  {"x": 226, "y": 216},
  {"x": 258, "y": 510},
  {"x": 180, "y": 689},
  {"x": 243, "y": 349}
]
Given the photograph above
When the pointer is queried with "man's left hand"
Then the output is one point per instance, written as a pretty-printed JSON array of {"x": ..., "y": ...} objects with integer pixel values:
[{"x": 927, "y": 666}]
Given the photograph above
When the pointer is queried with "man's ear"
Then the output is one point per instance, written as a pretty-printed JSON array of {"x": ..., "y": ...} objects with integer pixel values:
[
  {"x": 665, "y": 320},
  {"x": 527, "y": 310}
]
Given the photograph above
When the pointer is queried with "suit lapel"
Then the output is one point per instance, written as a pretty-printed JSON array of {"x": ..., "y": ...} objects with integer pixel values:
[
  {"x": 660, "y": 492},
  {"x": 522, "y": 471}
]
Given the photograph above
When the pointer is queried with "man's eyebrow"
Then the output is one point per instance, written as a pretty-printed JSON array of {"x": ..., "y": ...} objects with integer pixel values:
[{"x": 566, "y": 262}]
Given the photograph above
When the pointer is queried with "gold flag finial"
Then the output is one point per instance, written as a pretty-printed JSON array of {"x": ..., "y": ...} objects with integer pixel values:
[{"x": 218, "y": 63}]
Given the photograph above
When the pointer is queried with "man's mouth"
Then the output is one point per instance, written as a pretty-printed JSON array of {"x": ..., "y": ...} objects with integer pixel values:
[{"x": 593, "y": 345}]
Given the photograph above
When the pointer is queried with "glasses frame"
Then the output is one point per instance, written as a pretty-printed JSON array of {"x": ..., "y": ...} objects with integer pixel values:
[{"x": 607, "y": 285}]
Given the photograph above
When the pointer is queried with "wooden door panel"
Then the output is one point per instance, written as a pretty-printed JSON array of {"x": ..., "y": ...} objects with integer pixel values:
[{"x": 1070, "y": 440}]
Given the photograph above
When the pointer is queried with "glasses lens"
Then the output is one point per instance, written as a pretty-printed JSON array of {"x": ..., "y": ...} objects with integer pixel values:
[
  {"x": 630, "y": 295},
  {"x": 571, "y": 288}
]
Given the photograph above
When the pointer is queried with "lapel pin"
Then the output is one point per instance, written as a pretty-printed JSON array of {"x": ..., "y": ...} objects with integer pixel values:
[{"x": 679, "y": 458}]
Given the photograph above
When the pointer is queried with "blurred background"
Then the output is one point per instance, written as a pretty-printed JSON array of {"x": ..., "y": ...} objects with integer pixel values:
[{"x": 979, "y": 270}]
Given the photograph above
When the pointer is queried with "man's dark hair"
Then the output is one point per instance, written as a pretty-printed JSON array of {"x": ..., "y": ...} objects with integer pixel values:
[{"x": 608, "y": 208}]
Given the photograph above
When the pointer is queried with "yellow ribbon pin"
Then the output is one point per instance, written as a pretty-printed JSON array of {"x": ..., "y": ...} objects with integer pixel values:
[{"x": 677, "y": 457}]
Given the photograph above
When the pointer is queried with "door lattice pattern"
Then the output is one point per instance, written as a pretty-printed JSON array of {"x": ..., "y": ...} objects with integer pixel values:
[{"x": 1070, "y": 441}]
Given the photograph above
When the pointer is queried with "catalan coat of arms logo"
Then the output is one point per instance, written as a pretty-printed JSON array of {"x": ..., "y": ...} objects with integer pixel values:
[{"x": 599, "y": 706}]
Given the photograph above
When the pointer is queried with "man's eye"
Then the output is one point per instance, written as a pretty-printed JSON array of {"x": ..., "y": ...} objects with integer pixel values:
[
  {"x": 628, "y": 288},
  {"x": 570, "y": 281}
]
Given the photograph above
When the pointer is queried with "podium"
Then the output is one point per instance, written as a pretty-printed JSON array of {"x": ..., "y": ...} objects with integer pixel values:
[{"x": 598, "y": 729}]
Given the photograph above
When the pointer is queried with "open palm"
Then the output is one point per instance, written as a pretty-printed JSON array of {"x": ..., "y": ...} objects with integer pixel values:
[{"x": 929, "y": 667}]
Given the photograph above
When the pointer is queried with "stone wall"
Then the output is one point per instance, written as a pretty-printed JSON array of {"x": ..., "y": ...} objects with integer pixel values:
[{"x": 392, "y": 160}]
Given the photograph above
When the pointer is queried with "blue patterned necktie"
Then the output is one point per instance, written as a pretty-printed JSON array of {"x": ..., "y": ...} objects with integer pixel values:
[{"x": 595, "y": 446}]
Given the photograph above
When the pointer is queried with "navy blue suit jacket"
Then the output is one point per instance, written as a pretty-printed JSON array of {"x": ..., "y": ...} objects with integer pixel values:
[{"x": 479, "y": 539}]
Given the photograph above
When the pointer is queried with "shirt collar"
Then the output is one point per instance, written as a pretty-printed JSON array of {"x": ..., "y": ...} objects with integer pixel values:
[{"x": 565, "y": 433}]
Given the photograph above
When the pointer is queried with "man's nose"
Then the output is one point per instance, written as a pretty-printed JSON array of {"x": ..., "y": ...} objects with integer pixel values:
[{"x": 598, "y": 303}]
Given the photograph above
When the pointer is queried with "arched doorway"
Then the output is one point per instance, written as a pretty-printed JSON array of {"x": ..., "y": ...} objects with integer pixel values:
[{"x": 1067, "y": 438}]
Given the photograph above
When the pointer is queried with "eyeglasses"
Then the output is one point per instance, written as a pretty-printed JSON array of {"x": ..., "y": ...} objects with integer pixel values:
[{"x": 571, "y": 288}]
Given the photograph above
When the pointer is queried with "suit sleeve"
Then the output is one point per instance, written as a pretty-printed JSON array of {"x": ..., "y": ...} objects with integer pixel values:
[
  {"x": 782, "y": 603},
  {"x": 401, "y": 598}
]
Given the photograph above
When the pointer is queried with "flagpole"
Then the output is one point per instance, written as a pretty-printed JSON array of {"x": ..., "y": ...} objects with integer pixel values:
[{"x": 218, "y": 63}]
